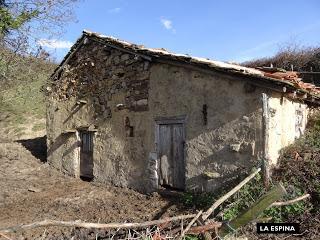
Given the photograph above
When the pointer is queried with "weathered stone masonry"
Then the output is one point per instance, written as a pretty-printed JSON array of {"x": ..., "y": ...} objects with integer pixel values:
[
  {"x": 99, "y": 72},
  {"x": 106, "y": 80}
]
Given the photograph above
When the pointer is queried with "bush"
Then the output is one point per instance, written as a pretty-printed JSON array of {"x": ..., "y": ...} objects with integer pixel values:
[{"x": 301, "y": 58}]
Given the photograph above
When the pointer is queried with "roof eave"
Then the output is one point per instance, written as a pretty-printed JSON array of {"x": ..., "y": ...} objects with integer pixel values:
[{"x": 185, "y": 60}]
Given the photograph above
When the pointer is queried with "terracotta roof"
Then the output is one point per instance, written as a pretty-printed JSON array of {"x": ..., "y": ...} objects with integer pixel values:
[
  {"x": 290, "y": 76},
  {"x": 275, "y": 75}
]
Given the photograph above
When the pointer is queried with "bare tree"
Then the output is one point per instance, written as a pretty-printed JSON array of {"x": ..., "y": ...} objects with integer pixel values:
[
  {"x": 24, "y": 22},
  {"x": 34, "y": 19},
  {"x": 291, "y": 56}
]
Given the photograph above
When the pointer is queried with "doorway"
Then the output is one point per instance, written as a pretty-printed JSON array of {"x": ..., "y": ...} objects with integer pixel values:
[
  {"x": 170, "y": 139},
  {"x": 86, "y": 155}
]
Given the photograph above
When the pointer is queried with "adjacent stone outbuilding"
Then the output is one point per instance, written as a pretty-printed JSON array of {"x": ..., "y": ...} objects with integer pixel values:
[{"x": 142, "y": 118}]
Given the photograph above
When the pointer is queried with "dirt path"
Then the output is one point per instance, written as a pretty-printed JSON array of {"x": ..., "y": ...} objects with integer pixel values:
[{"x": 32, "y": 191}]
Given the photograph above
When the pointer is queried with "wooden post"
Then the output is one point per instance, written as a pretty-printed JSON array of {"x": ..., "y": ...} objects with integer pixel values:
[
  {"x": 254, "y": 211},
  {"x": 265, "y": 134}
]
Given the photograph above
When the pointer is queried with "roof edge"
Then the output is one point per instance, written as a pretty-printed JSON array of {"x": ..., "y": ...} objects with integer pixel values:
[{"x": 158, "y": 54}]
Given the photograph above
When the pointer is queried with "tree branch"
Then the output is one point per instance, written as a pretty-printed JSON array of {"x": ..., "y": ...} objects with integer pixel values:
[
  {"x": 80, "y": 224},
  {"x": 216, "y": 204},
  {"x": 190, "y": 224},
  {"x": 277, "y": 204}
]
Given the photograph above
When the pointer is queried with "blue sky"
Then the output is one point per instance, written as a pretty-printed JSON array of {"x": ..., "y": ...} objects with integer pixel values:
[{"x": 226, "y": 30}]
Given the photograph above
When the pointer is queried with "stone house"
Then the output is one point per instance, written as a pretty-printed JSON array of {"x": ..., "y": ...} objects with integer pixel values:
[{"x": 143, "y": 118}]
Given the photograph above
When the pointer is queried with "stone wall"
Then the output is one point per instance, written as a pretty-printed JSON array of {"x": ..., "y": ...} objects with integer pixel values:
[
  {"x": 105, "y": 90},
  {"x": 99, "y": 72}
]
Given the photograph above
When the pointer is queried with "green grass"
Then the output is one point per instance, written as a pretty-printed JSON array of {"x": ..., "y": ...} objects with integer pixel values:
[
  {"x": 38, "y": 127},
  {"x": 19, "y": 130},
  {"x": 20, "y": 102},
  {"x": 21, "y": 98}
]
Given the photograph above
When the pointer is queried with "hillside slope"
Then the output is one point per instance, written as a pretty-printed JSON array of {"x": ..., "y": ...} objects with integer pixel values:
[{"x": 22, "y": 106}]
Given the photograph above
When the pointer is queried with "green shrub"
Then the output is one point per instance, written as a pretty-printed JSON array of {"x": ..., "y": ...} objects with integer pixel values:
[
  {"x": 243, "y": 199},
  {"x": 197, "y": 200}
]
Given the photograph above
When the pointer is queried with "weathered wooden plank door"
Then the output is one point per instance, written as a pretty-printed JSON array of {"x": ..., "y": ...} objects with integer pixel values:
[
  {"x": 171, "y": 155},
  {"x": 86, "y": 154}
]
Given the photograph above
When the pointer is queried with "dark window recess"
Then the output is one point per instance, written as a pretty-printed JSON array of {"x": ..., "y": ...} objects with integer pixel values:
[
  {"x": 205, "y": 113},
  {"x": 128, "y": 128},
  {"x": 131, "y": 131},
  {"x": 120, "y": 74}
]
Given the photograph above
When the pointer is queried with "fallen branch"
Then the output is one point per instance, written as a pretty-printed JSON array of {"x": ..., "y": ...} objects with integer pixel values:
[
  {"x": 216, "y": 204},
  {"x": 5, "y": 236},
  {"x": 190, "y": 224},
  {"x": 254, "y": 211},
  {"x": 80, "y": 224},
  {"x": 198, "y": 229},
  {"x": 277, "y": 204},
  {"x": 164, "y": 222}
]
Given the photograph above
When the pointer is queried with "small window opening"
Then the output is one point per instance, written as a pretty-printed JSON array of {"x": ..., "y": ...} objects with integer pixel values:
[
  {"x": 205, "y": 113},
  {"x": 128, "y": 128}
]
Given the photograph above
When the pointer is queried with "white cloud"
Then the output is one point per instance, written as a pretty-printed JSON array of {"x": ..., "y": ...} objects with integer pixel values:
[
  {"x": 54, "y": 43},
  {"x": 115, "y": 10},
  {"x": 166, "y": 23}
]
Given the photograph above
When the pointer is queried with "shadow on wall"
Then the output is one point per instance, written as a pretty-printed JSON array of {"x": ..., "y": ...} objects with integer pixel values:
[
  {"x": 74, "y": 110},
  {"x": 71, "y": 149},
  {"x": 58, "y": 142},
  {"x": 228, "y": 151},
  {"x": 37, "y": 147}
]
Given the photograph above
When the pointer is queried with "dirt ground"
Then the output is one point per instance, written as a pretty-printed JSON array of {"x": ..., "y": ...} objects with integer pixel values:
[{"x": 30, "y": 191}]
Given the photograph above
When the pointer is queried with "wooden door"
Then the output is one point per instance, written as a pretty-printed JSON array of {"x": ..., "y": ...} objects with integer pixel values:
[
  {"x": 171, "y": 155},
  {"x": 86, "y": 155}
]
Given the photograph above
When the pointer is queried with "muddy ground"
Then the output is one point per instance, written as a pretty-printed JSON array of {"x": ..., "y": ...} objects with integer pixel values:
[{"x": 30, "y": 191}]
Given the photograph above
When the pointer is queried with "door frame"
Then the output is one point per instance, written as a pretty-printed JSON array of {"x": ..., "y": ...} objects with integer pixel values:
[
  {"x": 166, "y": 121},
  {"x": 78, "y": 149}
]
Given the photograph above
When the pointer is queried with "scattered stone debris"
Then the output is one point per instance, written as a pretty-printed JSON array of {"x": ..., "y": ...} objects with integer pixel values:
[{"x": 34, "y": 189}]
